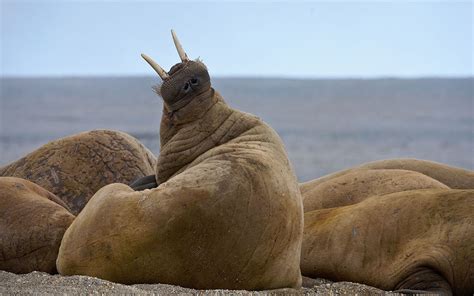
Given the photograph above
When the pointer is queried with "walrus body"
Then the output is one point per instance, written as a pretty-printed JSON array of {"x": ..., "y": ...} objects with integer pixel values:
[
  {"x": 419, "y": 240},
  {"x": 227, "y": 213},
  {"x": 32, "y": 224},
  {"x": 355, "y": 186},
  {"x": 453, "y": 177},
  {"x": 75, "y": 167}
]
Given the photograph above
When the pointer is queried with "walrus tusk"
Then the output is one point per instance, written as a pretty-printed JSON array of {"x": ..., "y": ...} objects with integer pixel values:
[
  {"x": 179, "y": 48},
  {"x": 155, "y": 66}
]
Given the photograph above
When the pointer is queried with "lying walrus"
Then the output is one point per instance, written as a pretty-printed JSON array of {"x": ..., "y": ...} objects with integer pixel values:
[
  {"x": 417, "y": 240},
  {"x": 357, "y": 185},
  {"x": 453, "y": 177},
  {"x": 75, "y": 167},
  {"x": 32, "y": 224},
  {"x": 381, "y": 177},
  {"x": 227, "y": 213}
]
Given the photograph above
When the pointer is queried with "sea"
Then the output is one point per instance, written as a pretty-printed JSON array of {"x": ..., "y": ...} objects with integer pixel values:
[{"x": 326, "y": 124}]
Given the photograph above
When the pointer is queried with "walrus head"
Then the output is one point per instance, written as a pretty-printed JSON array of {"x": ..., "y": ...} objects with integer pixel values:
[{"x": 185, "y": 80}]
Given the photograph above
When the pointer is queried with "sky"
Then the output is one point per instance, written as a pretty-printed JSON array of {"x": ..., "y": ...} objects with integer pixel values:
[{"x": 276, "y": 39}]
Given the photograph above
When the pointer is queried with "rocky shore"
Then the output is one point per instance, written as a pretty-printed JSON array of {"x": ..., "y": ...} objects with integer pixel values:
[{"x": 40, "y": 283}]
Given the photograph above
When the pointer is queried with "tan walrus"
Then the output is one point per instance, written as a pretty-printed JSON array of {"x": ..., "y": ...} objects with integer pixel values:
[
  {"x": 357, "y": 185},
  {"x": 453, "y": 177},
  {"x": 75, "y": 167},
  {"x": 32, "y": 224},
  {"x": 227, "y": 213},
  {"x": 381, "y": 177},
  {"x": 417, "y": 240}
]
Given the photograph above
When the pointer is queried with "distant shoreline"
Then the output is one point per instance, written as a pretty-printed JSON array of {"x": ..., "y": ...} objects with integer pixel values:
[{"x": 250, "y": 77}]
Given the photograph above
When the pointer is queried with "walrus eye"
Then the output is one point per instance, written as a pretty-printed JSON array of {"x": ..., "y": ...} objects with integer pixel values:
[{"x": 194, "y": 81}]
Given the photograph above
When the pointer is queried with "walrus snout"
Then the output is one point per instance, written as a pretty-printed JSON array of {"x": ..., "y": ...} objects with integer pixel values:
[{"x": 187, "y": 82}]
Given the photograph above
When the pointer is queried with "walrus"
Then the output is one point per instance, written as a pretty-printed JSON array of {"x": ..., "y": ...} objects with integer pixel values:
[
  {"x": 357, "y": 185},
  {"x": 75, "y": 167},
  {"x": 417, "y": 240},
  {"x": 453, "y": 177},
  {"x": 227, "y": 212},
  {"x": 32, "y": 224}
]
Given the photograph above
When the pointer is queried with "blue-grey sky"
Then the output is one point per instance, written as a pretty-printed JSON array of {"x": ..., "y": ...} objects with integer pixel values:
[{"x": 292, "y": 39}]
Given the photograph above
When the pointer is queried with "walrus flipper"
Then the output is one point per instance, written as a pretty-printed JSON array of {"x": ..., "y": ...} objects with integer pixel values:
[{"x": 147, "y": 182}]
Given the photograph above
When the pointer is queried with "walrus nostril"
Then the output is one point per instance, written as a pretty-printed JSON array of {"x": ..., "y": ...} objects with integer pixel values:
[{"x": 186, "y": 86}]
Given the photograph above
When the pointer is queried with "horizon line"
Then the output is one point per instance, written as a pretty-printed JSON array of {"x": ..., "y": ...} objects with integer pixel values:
[{"x": 279, "y": 77}]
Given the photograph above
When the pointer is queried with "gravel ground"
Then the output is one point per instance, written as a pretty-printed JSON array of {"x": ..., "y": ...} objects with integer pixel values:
[{"x": 39, "y": 283}]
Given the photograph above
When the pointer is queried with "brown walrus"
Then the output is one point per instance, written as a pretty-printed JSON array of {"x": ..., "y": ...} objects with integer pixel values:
[
  {"x": 32, "y": 224},
  {"x": 75, "y": 167},
  {"x": 357, "y": 185},
  {"x": 227, "y": 213},
  {"x": 453, "y": 177},
  {"x": 417, "y": 240}
]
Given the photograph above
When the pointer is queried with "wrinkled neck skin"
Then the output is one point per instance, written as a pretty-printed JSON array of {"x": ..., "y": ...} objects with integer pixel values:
[
  {"x": 186, "y": 133},
  {"x": 204, "y": 123},
  {"x": 189, "y": 112}
]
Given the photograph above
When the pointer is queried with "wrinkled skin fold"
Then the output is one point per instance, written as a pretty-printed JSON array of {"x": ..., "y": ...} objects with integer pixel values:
[{"x": 227, "y": 213}]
